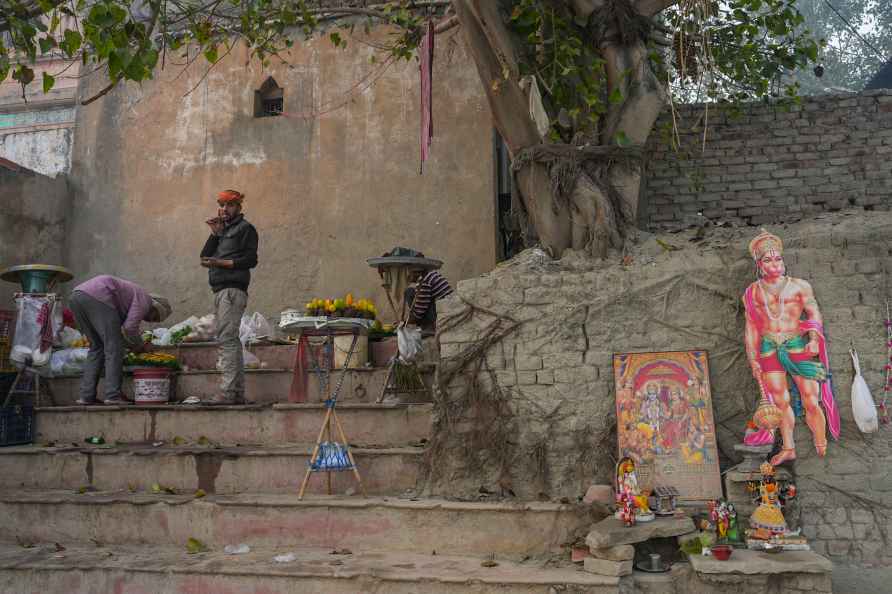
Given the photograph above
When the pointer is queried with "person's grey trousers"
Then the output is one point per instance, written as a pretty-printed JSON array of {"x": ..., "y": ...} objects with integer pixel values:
[
  {"x": 101, "y": 324},
  {"x": 230, "y": 305}
]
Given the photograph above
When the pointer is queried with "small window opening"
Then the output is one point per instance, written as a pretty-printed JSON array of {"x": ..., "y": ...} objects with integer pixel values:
[{"x": 269, "y": 99}]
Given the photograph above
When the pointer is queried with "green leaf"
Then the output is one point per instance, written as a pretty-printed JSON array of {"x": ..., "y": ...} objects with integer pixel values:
[
  {"x": 71, "y": 42},
  {"x": 616, "y": 96},
  {"x": 193, "y": 546},
  {"x": 48, "y": 81},
  {"x": 336, "y": 39},
  {"x": 47, "y": 44},
  {"x": 23, "y": 74},
  {"x": 621, "y": 139},
  {"x": 210, "y": 54}
]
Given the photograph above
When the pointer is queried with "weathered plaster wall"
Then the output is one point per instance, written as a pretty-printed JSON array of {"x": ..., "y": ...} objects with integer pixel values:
[
  {"x": 555, "y": 369},
  {"x": 34, "y": 209},
  {"x": 771, "y": 164},
  {"x": 36, "y": 130},
  {"x": 325, "y": 191},
  {"x": 45, "y": 151}
]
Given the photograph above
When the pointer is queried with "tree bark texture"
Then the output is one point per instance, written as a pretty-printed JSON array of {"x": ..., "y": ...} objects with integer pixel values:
[{"x": 603, "y": 203}]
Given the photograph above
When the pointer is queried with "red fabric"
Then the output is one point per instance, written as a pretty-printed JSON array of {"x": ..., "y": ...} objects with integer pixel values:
[
  {"x": 45, "y": 319},
  {"x": 426, "y": 55},
  {"x": 300, "y": 377},
  {"x": 68, "y": 318}
]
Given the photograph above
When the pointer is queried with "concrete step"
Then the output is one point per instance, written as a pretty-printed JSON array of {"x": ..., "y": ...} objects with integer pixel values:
[
  {"x": 213, "y": 469},
  {"x": 261, "y": 385},
  {"x": 364, "y": 424},
  {"x": 273, "y": 520},
  {"x": 159, "y": 570}
]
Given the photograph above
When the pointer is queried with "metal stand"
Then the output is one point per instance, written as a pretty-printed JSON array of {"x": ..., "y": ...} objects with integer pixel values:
[
  {"x": 21, "y": 386},
  {"x": 397, "y": 388},
  {"x": 329, "y": 455},
  {"x": 23, "y": 390}
]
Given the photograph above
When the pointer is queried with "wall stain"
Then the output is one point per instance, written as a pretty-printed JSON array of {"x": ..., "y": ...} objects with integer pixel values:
[{"x": 207, "y": 467}]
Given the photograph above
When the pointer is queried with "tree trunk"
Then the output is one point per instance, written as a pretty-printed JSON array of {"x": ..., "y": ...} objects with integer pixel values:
[{"x": 604, "y": 201}]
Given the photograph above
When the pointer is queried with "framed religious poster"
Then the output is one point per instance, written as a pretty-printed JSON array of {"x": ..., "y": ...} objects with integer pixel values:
[{"x": 665, "y": 422}]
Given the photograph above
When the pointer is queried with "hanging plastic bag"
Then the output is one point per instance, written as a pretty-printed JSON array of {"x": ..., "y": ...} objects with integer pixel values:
[
  {"x": 408, "y": 340},
  {"x": 863, "y": 407},
  {"x": 253, "y": 327},
  {"x": 38, "y": 322}
]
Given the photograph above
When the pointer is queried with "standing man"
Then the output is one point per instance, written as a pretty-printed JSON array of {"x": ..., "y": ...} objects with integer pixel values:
[
  {"x": 108, "y": 310},
  {"x": 422, "y": 298},
  {"x": 229, "y": 255}
]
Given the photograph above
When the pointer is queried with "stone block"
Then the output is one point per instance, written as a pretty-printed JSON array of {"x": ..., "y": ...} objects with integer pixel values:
[
  {"x": 562, "y": 359},
  {"x": 579, "y": 554},
  {"x": 545, "y": 377},
  {"x": 617, "y": 553},
  {"x": 611, "y": 532},
  {"x": 599, "y": 494},
  {"x": 526, "y": 378},
  {"x": 606, "y": 567},
  {"x": 528, "y": 362}
]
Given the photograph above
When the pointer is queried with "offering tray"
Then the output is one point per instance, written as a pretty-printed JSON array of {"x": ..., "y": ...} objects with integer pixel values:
[{"x": 290, "y": 322}]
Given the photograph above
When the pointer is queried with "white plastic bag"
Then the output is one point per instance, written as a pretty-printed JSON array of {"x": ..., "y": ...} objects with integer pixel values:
[
  {"x": 253, "y": 327},
  {"x": 251, "y": 361},
  {"x": 69, "y": 361},
  {"x": 408, "y": 341},
  {"x": 26, "y": 345},
  {"x": 863, "y": 407},
  {"x": 163, "y": 335},
  {"x": 68, "y": 336},
  {"x": 205, "y": 330}
]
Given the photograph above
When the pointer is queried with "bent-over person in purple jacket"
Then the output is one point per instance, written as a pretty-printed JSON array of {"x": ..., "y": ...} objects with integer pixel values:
[{"x": 108, "y": 311}]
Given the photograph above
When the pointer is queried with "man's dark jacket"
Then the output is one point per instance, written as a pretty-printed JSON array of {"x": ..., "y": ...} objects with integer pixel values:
[{"x": 237, "y": 242}]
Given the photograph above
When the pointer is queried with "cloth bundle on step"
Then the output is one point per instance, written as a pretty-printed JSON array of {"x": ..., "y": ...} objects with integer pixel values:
[{"x": 331, "y": 456}]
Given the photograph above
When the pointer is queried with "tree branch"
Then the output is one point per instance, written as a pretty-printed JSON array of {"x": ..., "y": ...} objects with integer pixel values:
[{"x": 101, "y": 93}]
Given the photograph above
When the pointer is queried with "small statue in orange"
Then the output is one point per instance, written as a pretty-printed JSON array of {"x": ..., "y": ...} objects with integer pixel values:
[
  {"x": 629, "y": 493},
  {"x": 768, "y": 516}
]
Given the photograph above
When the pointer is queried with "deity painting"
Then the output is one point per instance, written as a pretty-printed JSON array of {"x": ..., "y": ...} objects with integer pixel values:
[
  {"x": 787, "y": 351},
  {"x": 665, "y": 422}
]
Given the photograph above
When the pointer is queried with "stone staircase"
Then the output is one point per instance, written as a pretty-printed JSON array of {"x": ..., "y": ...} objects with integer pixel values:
[{"x": 116, "y": 518}]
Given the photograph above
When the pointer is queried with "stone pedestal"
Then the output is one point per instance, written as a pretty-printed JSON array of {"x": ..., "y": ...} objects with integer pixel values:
[
  {"x": 611, "y": 532},
  {"x": 610, "y": 542},
  {"x": 755, "y": 572},
  {"x": 753, "y": 456}
]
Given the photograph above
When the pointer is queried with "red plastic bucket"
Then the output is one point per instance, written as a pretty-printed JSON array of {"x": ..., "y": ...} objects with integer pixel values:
[{"x": 151, "y": 385}]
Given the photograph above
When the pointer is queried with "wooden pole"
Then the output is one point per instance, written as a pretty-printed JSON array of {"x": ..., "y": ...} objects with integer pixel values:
[
  {"x": 325, "y": 425},
  {"x": 349, "y": 454}
]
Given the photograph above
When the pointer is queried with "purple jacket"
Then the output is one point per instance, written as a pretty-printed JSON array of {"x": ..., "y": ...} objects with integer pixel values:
[{"x": 131, "y": 301}]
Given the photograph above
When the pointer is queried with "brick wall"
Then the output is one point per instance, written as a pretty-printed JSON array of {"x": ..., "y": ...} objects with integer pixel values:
[{"x": 771, "y": 164}]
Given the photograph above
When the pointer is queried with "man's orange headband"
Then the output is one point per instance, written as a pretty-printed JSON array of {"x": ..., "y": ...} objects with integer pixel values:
[{"x": 227, "y": 196}]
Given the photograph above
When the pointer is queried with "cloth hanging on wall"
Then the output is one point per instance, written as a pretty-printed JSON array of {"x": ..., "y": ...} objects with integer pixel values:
[{"x": 426, "y": 55}]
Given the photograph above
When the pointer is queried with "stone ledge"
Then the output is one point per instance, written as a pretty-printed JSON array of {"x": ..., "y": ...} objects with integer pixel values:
[
  {"x": 388, "y": 567},
  {"x": 744, "y": 561},
  {"x": 611, "y": 532}
]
